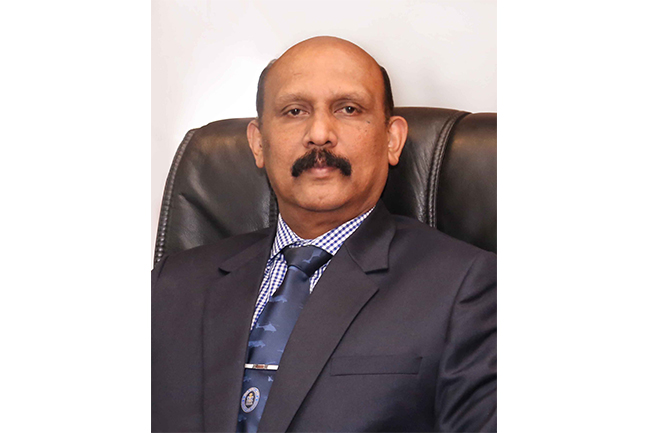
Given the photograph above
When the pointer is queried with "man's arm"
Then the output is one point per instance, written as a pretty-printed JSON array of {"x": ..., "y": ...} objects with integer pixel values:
[{"x": 466, "y": 394}]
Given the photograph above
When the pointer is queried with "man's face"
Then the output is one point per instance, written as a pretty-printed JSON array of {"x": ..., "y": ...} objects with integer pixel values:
[{"x": 325, "y": 97}]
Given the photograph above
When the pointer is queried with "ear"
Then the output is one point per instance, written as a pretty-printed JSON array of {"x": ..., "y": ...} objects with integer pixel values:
[
  {"x": 398, "y": 129},
  {"x": 255, "y": 142}
]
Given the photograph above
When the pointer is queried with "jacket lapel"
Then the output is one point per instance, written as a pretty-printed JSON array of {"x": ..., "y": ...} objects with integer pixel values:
[
  {"x": 340, "y": 294},
  {"x": 226, "y": 324}
]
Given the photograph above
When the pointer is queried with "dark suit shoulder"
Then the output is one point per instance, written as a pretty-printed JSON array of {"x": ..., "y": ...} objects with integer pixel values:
[
  {"x": 211, "y": 256},
  {"x": 422, "y": 237}
]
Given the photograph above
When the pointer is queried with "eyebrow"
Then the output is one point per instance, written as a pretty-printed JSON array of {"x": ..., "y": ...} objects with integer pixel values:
[{"x": 351, "y": 96}]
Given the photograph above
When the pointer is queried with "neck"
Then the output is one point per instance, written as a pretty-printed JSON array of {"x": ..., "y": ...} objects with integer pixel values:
[{"x": 312, "y": 224}]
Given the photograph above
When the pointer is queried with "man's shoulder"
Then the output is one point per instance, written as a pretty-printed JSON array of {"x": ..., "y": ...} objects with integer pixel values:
[
  {"x": 214, "y": 254},
  {"x": 420, "y": 238}
]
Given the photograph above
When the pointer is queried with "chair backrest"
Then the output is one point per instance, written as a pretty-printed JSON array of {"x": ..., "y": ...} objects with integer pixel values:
[{"x": 446, "y": 178}]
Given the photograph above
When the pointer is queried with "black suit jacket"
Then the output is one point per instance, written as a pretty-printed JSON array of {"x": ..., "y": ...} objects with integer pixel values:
[{"x": 399, "y": 334}]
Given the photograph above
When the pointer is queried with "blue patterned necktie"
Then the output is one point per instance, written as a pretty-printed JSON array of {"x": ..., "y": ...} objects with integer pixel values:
[{"x": 271, "y": 332}]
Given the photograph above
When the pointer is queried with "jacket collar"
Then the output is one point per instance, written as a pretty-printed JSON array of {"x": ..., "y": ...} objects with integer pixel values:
[
  {"x": 342, "y": 291},
  {"x": 369, "y": 246},
  {"x": 227, "y": 315}
]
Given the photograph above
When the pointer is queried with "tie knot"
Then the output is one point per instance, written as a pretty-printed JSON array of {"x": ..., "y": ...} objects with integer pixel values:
[{"x": 308, "y": 259}]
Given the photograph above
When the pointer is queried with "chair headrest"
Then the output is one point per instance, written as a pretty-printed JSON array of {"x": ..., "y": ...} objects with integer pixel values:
[{"x": 446, "y": 177}]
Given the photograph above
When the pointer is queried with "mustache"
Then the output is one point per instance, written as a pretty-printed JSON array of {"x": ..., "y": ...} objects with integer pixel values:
[{"x": 320, "y": 158}]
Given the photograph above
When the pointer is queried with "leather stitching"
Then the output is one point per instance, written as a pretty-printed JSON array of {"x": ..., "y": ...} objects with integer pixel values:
[
  {"x": 436, "y": 163},
  {"x": 165, "y": 209}
]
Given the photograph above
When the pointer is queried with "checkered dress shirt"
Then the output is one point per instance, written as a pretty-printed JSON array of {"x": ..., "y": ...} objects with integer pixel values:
[{"x": 276, "y": 267}]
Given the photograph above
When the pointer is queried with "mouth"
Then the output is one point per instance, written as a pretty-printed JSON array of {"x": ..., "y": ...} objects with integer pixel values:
[{"x": 321, "y": 161}]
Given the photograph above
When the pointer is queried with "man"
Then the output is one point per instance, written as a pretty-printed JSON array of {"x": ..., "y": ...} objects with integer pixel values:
[{"x": 392, "y": 328}]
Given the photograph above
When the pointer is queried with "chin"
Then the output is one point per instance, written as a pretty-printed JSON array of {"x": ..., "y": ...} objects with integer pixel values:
[{"x": 321, "y": 205}]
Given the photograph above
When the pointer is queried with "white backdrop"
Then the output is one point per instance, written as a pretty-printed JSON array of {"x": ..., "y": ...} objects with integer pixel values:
[
  {"x": 573, "y": 221},
  {"x": 207, "y": 56}
]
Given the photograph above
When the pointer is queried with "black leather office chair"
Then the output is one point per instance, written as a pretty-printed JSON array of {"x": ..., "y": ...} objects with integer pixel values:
[{"x": 446, "y": 178}]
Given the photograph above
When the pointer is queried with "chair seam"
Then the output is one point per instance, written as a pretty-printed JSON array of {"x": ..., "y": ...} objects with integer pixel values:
[
  {"x": 436, "y": 164},
  {"x": 165, "y": 208}
]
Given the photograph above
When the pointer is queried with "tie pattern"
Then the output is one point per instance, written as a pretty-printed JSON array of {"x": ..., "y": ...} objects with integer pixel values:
[{"x": 271, "y": 332}]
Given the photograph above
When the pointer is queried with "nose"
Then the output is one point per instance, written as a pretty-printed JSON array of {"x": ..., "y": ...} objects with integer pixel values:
[{"x": 321, "y": 130}]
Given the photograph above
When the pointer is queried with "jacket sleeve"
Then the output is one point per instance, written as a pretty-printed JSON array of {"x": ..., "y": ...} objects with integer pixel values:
[{"x": 466, "y": 396}]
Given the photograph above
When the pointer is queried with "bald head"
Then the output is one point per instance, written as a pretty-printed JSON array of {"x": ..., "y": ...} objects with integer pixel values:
[
  {"x": 305, "y": 57},
  {"x": 321, "y": 45}
]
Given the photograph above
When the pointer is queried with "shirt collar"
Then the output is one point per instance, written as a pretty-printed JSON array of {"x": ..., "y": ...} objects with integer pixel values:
[{"x": 330, "y": 241}]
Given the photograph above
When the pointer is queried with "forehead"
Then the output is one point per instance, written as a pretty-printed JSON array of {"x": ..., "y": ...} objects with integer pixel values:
[{"x": 325, "y": 71}]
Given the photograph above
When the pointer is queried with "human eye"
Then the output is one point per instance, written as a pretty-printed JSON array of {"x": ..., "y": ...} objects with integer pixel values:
[
  {"x": 294, "y": 112},
  {"x": 349, "y": 110}
]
